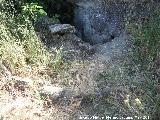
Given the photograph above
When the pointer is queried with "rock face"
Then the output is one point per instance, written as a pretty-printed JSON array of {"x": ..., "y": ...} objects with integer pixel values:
[
  {"x": 97, "y": 22},
  {"x": 100, "y": 21},
  {"x": 62, "y": 29}
]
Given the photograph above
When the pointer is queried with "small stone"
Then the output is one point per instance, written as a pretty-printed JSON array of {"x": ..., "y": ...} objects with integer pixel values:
[
  {"x": 25, "y": 80},
  {"x": 21, "y": 83},
  {"x": 62, "y": 29},
  {"x": 51, "y": 91}
]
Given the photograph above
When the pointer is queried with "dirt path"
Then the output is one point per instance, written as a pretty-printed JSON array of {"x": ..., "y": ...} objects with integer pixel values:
[{"x": 21, "y": 101}]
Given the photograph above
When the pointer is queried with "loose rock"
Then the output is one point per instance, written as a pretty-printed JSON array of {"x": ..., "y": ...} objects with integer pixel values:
[
  {"x": 62, "y": 29},
  {"x": 52, "y": 92},
  {"x": 25, "y": 80}
]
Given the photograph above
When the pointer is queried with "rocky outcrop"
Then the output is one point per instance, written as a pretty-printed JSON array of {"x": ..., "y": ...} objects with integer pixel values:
[
  {"x": 96, "y": 22},
  {"x": 100, "y": 21}
]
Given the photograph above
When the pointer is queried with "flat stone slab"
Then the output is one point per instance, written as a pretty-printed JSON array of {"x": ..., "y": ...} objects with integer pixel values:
[{"x": 62, "y": 29}]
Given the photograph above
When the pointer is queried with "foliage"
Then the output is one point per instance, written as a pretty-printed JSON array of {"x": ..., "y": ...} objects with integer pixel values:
[
  {"x": 58, "y": 58},
  {"x": 145, "y": 59},
  {"x": 146, "y": 35},
  {"x": 33, "y": 10},
  {"x": 20, "y": 45}
]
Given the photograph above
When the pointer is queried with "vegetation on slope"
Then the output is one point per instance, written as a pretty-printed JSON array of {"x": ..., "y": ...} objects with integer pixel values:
[
  {"x": 20, "y": 47},
  {"x": 145, "y": 58}
]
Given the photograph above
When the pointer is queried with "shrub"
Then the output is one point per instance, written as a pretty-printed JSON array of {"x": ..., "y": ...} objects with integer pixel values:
[
  {"x": 145, "y": 57},
  {"x": 20, "y": 45},
  {"x": 146, "y": 43}
]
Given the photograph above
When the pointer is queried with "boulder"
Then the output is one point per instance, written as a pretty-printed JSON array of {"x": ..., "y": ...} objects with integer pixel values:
[{"x": 62, "y": 29}]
